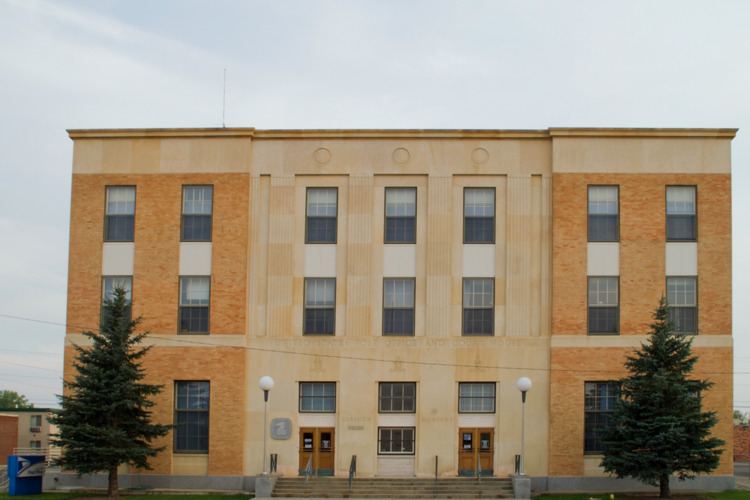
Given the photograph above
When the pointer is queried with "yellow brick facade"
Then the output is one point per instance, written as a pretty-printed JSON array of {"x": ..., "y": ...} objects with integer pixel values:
[{"x": 538, "y": 263}]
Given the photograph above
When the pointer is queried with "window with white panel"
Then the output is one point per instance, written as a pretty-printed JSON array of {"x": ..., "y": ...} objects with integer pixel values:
[
  {"x": 195, "y": 299},
  {"x": 682, "y": 298},
  {"x": 604, "y": 305},
  {"x": 603, "y": 213},
  {"x": 400, "y": 215},
  {"x": 681, "y": 220},
  {"x": 478, "y": 306},
  {"x": 112, "y": 283},
  {"x": 197, "y": 209},
  {"x": 119, "y": 218},
  {"x": 479, "y": 215},
  {"x": 321, "y": 215},
  {"x": 320, "y": 306},
  {"x": 398, "y": 306}
]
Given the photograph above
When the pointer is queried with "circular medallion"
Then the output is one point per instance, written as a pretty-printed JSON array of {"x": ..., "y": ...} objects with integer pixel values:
[
  {"x": 480, "y": 155},
  {"x": 401, "y": 155},
  {"x": 322, "y": 155}
]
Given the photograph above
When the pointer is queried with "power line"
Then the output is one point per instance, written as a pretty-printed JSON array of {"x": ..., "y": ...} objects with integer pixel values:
[{"x": 177, "y": 339}]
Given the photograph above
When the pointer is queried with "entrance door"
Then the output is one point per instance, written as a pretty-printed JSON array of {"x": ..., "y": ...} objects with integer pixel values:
[
  {"x": 475, "y": 451},
  {"x": 316, "y": 443}
]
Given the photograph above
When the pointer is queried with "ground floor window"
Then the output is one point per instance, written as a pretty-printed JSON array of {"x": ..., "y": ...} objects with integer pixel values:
[
  {"x": 396, "y": 440},
  {"x": 600, "y": 400},
  {"x": 191, "y": 417},
  {"x": 476, "y": 397}
]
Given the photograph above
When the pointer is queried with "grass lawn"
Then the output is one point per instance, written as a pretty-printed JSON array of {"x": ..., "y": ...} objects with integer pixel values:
[
  {"x": 723, "y": 495},
  {"x": 138, "y": 496}
]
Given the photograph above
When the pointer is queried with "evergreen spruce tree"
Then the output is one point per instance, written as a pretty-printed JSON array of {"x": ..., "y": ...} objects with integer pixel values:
[
  {"x": 658, "y": 429},
  {"x": 105, "y": 420}
]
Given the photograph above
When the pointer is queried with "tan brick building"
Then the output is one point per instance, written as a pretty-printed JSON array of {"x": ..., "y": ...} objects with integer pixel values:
[{"x": 397, "y": 283}]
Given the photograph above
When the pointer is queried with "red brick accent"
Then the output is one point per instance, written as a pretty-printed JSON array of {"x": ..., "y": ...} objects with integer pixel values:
[{"x": 742, "y": 443}]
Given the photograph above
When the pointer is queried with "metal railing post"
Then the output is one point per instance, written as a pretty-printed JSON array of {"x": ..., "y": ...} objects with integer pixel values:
[{"x": 352, "y": 470}]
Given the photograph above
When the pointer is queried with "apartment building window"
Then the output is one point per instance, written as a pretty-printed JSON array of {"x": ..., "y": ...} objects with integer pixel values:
[
  {"x": 401, "y": 215},
  {"x": 479, "y": 306},
  {"x": 395, "y": 440},
  {"x": 191, "y": 417},
  {"x": 476, "y": 397},
  {"x": 119, "y": 218},
  {"x": 320, "y": 306},
  {"x": 479, "y": 215},
  {"x": 35, "y": 423},
  {"x": 321, "y": 215},
  {"x": 604, "y": 305},
  {"x": 682, "y": 299},
  {"x": 397, "y": 397},
  {"x": 195, "y": 297},
  {"x": 317, "y": 397},
  {"x": 112, "y": 283},
  {"x": 604, "y": 213},
  {"x": 197, "y": 209},
  {"x": 681, "y": 224},
  {"x": 600, "y": 399},
  {"x": 398, "y": 306},
  {"x": 36, "y": 444}
]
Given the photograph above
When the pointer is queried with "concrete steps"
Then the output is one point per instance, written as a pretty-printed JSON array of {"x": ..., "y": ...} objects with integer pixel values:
[{"x": 334, "y": 487}]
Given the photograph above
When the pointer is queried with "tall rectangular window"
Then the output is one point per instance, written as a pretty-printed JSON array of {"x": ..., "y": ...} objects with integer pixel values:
[
  {"x": 600, "y": 399},
  {"x": 682, "y": 298},
  {"x": 476, "y": 397},
  {"x": 110, "y": 284},
  {"x": 321, "y": 215},
  {"x": 604, "y": 305},
  {"x": 395, "y": 440},
  {"x": 397, "y": 397},
  {"x": 479, "y": 215},
  {"x": 398, "y": 306},
  {"x": 197, "y": 209},
  {"x": 191, "y": 411},
  {"x": 119, "y": 218},
  {"x": 479, "y": 306},
  {"x": 195, "y": 298},
  {"x": 603, "y": 213},
  {"x": 320, "y": 306},
  {"x": 35, "y": 423},
  {"x": 400, "y": 215},
  {"x": 681, "y": 213},
  {"x": 317, "y": 397}
]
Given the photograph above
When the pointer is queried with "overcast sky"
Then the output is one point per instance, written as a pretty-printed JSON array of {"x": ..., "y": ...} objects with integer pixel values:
[{"x": 336, "y": 64}]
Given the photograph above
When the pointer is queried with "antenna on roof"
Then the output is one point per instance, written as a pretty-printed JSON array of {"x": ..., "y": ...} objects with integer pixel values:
[{"x": 224, "y": 102}]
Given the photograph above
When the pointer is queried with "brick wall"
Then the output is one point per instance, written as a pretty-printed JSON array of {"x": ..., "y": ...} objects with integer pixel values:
[
  {"x": 642, "y": 248},
  {"x": 742, "y": 443},
  {"x": 8, "y": 435},
  {"x": 157, "y": 244}
]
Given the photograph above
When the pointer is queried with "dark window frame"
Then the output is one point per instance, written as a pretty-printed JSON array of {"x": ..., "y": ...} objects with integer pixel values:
[
  {"x": 180, "y": 306},
  {"x": 385, "y": 215},
  {"x": 183, "y": 215},
  {"x": 494, "y": 215},
  {"x": 494, "y": 398},
  {"x": 336, "y": 218},
  {"x": 304, "y": 307},
  {"x": 300, "y": 397},
  {"x": 412, "y": 309},
  {"x": 397, "y": 453},
  {"x": 175, "y": 448},
  {"x": 101, "y": 294},
  {"x": 589, "y": 306},
  {"x": 106, "y": 216},
  {"x": 610, "y": 382},
  {"x": 491, "y": 308},
  {"x": 396, "y": 412},
  {"x": 697, "y": 302},
  {"x": 666, "y": 214},
  {"x": 588, "y": 215}
]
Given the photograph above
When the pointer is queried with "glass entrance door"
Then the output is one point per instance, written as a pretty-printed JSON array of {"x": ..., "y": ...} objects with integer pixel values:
[{"x": 476, "y": 451}]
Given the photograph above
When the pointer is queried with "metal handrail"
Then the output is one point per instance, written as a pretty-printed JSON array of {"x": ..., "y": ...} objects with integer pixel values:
[
  {"x": 352, "y": 470},
  {"x": 308, "y": 468},
  {"x": 436, "y": 467},
  {"x": 479, "y": 468}
]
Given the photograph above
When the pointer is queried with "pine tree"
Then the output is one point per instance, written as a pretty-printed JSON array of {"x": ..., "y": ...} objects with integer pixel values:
[
  {"x": 658, "y": 428},
  {"x": 105, "y": 420}
]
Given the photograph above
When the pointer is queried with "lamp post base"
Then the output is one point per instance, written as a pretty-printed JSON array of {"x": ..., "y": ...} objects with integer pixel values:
[
  {"x": 521, "y": 486},
  {"x": 264, "y": 486}
]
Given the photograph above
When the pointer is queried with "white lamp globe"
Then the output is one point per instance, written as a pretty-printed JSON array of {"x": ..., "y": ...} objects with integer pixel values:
[
  {"x": 523, "y": 384},
  {"x": 266, "y": 383}
]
